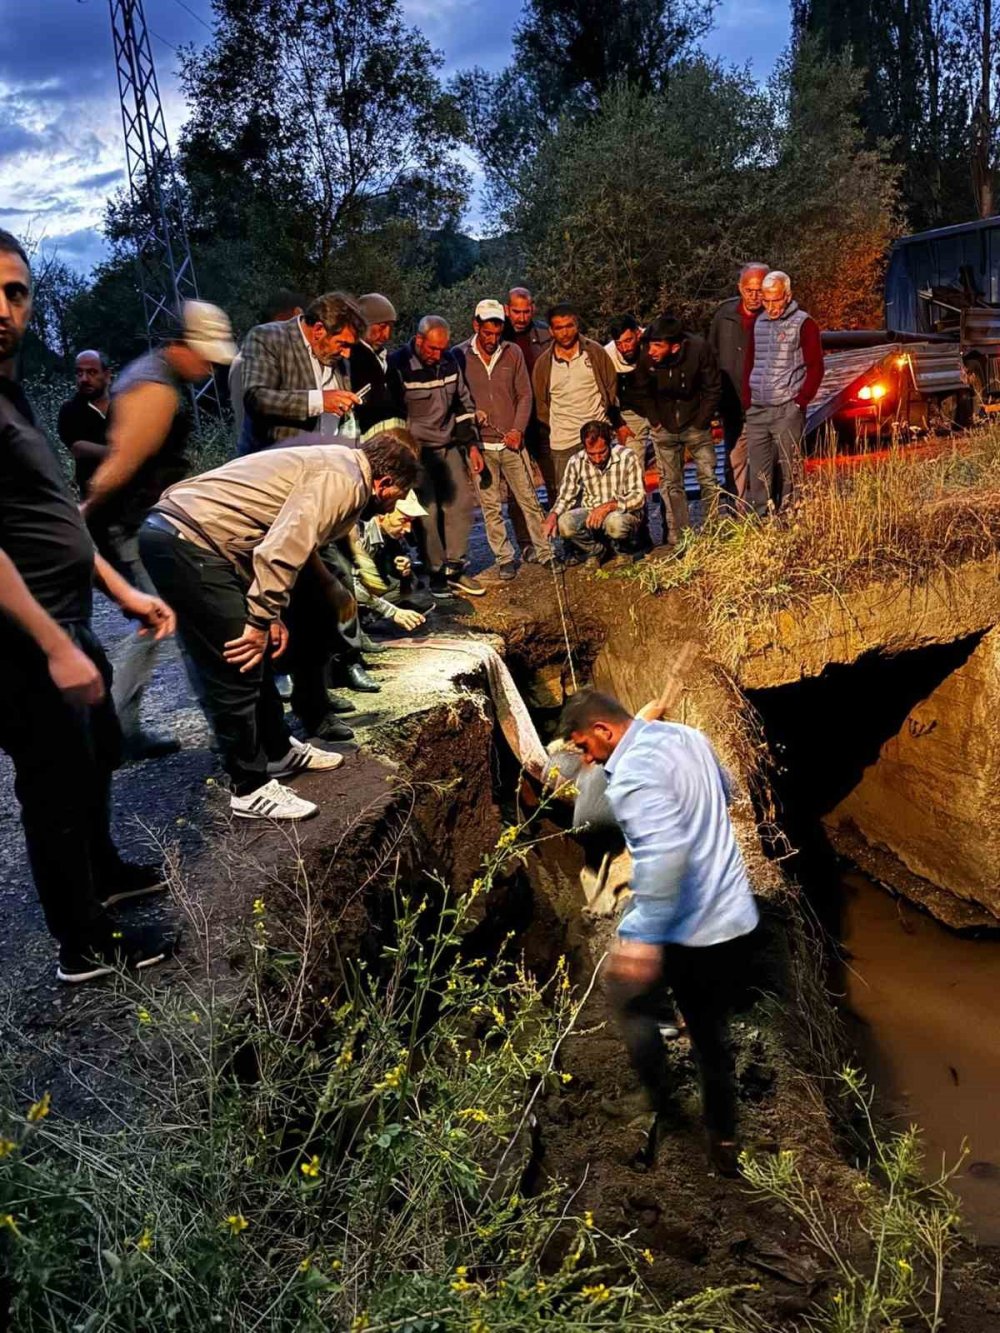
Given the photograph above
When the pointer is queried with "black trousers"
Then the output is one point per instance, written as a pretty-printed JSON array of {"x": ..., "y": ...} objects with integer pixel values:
[
  {"x": 706, "y": 983},
  {"x": 64, "y": 755},
  {"x": 209, "y": 597},
  {"x": 317, "y": 641}
]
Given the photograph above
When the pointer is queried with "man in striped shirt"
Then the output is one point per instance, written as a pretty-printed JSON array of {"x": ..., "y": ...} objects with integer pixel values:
[{"x": 601, "y": 498}]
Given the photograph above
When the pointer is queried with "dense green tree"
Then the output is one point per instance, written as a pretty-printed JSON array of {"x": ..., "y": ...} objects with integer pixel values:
[
  {"x": 314, "y": 123},
  {"x": 922, "y": 82},
  {"x": 659, "y": 197}
]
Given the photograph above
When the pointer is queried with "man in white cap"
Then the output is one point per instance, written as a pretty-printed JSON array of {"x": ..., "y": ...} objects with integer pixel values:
[
  {"x": 148, "y": 428},
  {"x": 383, "y": 407},
  {"x": 383, "y": 569},
  {"x": 498, "y": 380}
]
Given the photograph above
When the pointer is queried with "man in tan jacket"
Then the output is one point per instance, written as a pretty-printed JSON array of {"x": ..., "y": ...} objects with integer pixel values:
[{"x": 230, "y": 545}]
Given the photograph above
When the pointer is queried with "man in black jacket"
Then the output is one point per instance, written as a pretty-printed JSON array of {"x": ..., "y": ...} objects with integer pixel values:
[
  {"x": 383, "y": 406},
  {"x": 676, "y": 387},
  {"x": 729, "y": 335}
]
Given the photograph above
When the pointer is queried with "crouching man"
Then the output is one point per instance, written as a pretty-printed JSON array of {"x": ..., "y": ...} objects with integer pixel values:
[
  {"x": 230, "y": 545},
  {"x": 601, "y": 499},
  {"x": 692, "y": 919}
]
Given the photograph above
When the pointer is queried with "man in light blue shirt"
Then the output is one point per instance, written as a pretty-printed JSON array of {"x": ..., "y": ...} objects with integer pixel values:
[{"x": 691, "y": 922}]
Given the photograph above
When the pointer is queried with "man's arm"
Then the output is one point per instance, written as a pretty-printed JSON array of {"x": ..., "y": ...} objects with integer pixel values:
[
  {"x": 522, "y": 393},
  {"x": 78, "y": 448},
  {"x": 748, "y": 357},
  {"x": 138, "y": 425},
  {"x": 265, "y": 392},
  {"x": 711, "y": 386},
  {"x": 607, "y": 377},
  {"x": 72, "y": 671},
  {"x": 634, "y": 500},
  {"x": 155, "y": 616},
  {"x": 464, "y": 407},
  {"x": 812, "y": 353}
]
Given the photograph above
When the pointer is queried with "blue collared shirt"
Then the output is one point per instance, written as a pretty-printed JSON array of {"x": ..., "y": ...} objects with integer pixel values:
[{"x": 670, "y": 796}]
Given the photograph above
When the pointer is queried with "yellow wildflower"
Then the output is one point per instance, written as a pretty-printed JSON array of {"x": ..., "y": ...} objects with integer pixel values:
[
  {"x": 194, "y": 1016},
  {"x": 310, "y": 1168},
  {"x": 7, "y": 1146},
  {"x": 145, "y": 1242},
  {"x": 462, "y": 1287},
  {"x": 498, "y": 1017},
  {"x": 479, "y": 1325},
  {"x": 359, "y": 1323},
  {"x": 305, "y": 1264},
  {"x": 259, "y": 907},
  {"x": 40, "y": 1109},
  {"x": 648, "y": 1256},
  {"x": 597, "y": 1294},
  {"x": 541, "y": 1286},
  {"x": 9, "y": 1221},
  {"x": 904, "y": 1266},
  {"x": 566, "y": 1078},
  {"x": 392, "y": 1080},
  {"x": 461, "y": 1271},
  {"x": 336, "y": 1265},
  {"x": 588, "y": 1219},
  {"x": 477, "y": 887},
  {"x": 345, "y": 1057},
  {"x": 143, "y": 1015},
  {"x": 236, "y": 1223},
  {"x": 475, "y": 1113}
]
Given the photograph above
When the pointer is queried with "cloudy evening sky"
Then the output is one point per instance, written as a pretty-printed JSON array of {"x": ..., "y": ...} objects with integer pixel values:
[{"x": 61, "y": 149}]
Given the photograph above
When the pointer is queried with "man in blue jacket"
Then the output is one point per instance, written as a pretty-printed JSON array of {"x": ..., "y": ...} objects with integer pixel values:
[{"x": 691, "y": 922}]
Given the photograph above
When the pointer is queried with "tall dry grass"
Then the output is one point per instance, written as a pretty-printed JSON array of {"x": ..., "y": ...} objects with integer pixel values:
[{"x": 899, "y": 514}]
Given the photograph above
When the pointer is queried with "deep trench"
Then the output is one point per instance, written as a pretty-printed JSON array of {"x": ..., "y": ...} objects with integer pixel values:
[{"x": 917, "y": 997}]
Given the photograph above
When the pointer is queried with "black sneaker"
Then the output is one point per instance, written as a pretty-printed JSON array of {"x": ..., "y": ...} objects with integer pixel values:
[
  {"x": 438, "y": 585},
  {"x": 118, "y": 950},
  {"x": 131, "y": 881},
  {"x": 148, "y": 745},
  {"x": 507, "y": 571},
  {"x": 465, "y": 583}
]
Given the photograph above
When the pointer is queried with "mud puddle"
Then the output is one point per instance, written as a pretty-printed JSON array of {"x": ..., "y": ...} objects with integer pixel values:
[{"x": 926, "y": 1001}]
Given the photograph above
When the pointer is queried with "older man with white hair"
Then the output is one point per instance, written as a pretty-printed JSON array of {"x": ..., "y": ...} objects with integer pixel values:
[
  {"x": 729, "y": 334},
  {"x": 782, "y": 374}
]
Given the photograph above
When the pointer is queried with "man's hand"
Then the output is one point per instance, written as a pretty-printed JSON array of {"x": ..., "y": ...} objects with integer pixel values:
[
  {"x": 596, "y": 517},
  {"x": 154, "y": 616},
  {"x": 551, "y": 525},
  {"x": 403, "y": 566},
  {"x": 74, "y": 674},
  {"x": 408, "y": 620},
  {"x": 248, "y": 650},
  {"x": 278, "y": 635},
  {"x": 339, "y": 401},
  {"x": 624, "y": 434},
  {"x": 476, "y": 461},
  {"x": 634, "y": 962},
  {"x": 514, "y": 439}
]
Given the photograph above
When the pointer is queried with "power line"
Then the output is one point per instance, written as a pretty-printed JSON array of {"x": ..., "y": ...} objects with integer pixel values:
[{"x": 193, "y": 14}]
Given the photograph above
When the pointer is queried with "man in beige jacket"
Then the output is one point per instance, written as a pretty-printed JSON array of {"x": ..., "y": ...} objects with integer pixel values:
[{"x": 229, "y": 545}]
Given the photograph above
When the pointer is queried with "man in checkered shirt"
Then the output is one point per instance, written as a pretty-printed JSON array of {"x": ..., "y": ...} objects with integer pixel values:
[{"x": 601, "y": 498}]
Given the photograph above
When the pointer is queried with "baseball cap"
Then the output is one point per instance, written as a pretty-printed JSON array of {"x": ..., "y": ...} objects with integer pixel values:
[
  {"x": 377, "y": 309},
  {"x": 208, "y": 332},
  {"x": 411, "y": 506},
  {"x": 490, "y": 310}
]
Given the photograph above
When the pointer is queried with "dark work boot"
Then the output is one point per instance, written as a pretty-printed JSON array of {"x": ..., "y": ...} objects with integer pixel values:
[{"x": 359, "y": 679}]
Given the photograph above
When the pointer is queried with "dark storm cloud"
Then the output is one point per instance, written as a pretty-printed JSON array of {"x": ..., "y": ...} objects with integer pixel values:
[{"x": 100, "y": 180}]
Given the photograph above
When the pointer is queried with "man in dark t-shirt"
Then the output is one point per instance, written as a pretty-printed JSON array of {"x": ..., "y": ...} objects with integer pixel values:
[
  {"x": 148, "y": 431},
  {"x": 56, "y": 720},
  {"x": 83, "y": 419}
]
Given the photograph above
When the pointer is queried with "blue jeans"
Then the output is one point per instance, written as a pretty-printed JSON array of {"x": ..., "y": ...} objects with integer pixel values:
[
  {"x": 670, "y": 447},
  {"x": 617, "y": 530}
]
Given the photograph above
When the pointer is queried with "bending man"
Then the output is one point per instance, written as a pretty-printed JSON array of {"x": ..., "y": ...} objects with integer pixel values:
[
  {"x": 692, "y": 918},
  {"x": 229, "y": 545}
]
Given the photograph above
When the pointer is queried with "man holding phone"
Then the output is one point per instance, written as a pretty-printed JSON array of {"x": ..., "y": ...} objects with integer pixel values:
[{"x": 296, "y": 378}]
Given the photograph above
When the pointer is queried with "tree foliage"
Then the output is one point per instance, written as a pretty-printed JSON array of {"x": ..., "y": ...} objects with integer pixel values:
[
  {"x": 922, "y": 86},
  {"x": 657, "y": 199},
  {"x": 317, "y": 122}
]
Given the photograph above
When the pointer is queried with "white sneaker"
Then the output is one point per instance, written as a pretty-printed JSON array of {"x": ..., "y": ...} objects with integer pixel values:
[
  {"x": 272, "y": 801},
  {"x": 303, "y": 756}
]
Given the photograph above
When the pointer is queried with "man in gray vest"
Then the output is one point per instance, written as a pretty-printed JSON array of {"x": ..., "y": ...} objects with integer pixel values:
[{"x": 783, "y": 371}]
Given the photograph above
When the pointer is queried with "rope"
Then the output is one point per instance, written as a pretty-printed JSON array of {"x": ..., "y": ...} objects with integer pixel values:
[{"x": 565, "y": 629}]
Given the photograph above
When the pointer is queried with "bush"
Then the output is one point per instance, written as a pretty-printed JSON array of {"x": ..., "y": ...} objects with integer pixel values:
[{"x": 354, "y": 1163}]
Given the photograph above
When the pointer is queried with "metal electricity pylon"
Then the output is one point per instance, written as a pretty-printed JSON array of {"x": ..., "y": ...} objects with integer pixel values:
[{"x": 166, "y": 273}]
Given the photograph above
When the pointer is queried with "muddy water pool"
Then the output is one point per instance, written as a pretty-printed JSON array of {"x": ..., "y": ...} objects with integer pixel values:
[{"x": 927, "y": 1003}]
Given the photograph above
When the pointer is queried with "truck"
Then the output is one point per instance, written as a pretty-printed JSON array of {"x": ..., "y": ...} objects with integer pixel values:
[{"x": 937, "y": 360}]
